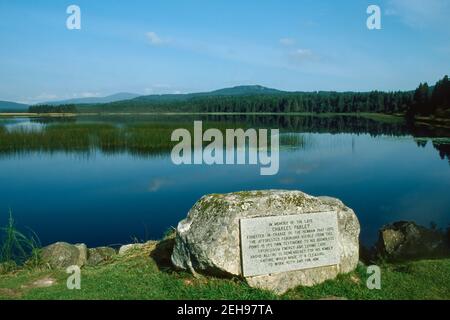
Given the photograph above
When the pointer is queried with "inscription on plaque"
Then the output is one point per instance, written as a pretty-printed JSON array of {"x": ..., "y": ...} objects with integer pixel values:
[{"x": 293, "y": 242}]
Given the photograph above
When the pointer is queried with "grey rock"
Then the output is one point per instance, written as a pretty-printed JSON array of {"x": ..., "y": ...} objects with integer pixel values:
[
  {"x": 404, "y": 240},
  {"x": 208, "y": 240},
  {"x": 63, "y": 255},
  {"x": 40, "y": 283},
  {"x": 126, "y": 249},
  {"x": 44, "y": 283},
  {"x": 82, "y": 248},
  {"x": 129, "y": 247},
  {"x": 100, "y": 255}
]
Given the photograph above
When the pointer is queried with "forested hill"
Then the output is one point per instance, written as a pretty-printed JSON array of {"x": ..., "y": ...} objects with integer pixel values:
[
  {"x": 8, "y": 106},
  {"x": 424, "y": 101}
]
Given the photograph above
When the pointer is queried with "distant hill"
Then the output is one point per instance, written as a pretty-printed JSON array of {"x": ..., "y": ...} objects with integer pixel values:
[
  {"x": 12, "y": 106},
  {"x": 187, "y": 102},
  {"x": 249, "y": 90},
  {"x": 245, "y": 90},
  {"x": 94, "y": 100}
]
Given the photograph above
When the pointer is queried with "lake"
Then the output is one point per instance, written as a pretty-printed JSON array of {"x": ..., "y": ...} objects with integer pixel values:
[{"x": 110, "y": 180}]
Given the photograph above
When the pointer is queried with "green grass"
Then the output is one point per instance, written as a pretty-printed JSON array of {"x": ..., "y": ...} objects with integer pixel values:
[
  {"x": 139, "y": 276},
  {"x": 417, "y": 280},
  {"x": 16, "y": 247}
]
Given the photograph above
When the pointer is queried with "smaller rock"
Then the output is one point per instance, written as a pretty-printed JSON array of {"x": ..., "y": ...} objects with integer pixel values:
[
  {"x": 126, "y": 248},
  {"x": 82, "y": 259},
  {"x": 44, "y": 283},
  {"x": 406, "y": 240},
  {"x": 100, "y": 255},
  {"x": 40, "y": 283},
  {"x": 63, "y": 255}
]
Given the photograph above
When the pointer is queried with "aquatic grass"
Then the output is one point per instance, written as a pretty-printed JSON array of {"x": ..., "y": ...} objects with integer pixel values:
[
  {"x": 137, "y": 138},
  {"x": 83, "y": 138},
  {"x": 16, "y": 247}
]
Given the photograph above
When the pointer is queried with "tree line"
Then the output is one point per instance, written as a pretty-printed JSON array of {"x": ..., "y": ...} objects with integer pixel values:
[
  {"x": 424, "y": 101},
  {"x": 45, "y": 108},
  {"x": 431, "y": 100}
]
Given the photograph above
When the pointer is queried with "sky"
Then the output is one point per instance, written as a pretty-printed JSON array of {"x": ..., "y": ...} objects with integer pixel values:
[{"x": 181, "y": 46}]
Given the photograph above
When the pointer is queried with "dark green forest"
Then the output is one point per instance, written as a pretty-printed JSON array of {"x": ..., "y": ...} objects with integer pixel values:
[
  {"x": 67, "y": 108},
  {"x": 424, "y": 101}
]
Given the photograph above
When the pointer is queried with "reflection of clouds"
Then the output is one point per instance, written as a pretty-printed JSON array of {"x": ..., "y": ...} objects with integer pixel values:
[
  {"x": 25, "y": 126},
  {"x": 303, "y": 168},
  {"x": 158, "y": 183},
  {"x": 297, "y": 169}
]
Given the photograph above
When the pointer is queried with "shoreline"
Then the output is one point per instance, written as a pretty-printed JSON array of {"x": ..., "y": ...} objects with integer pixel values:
[
  {"x": 88, "y": 114},
  {"x": 424, "y": 121}
]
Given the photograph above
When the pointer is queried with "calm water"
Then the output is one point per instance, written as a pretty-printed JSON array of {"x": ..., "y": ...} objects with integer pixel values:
[{"x": 103, "y": 196}]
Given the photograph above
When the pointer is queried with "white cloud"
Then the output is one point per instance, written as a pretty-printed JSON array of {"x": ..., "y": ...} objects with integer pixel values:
[
  {"x": 157, "y": 184},
  {"x": 45, "y": 96},
  {"x": 155, "y": 39},
  {"x": 287, "y": 41},
  {"x": 88, "y": 95},
  {"x": 302, "y": 55},
  {"x": 159, "y": 88}
]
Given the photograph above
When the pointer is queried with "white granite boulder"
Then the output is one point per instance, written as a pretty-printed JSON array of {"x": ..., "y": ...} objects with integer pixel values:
[{"x": 208, "y": 240}]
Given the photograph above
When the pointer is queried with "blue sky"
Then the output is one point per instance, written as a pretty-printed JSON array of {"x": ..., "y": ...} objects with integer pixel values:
[{"x": 183, "y": 46}]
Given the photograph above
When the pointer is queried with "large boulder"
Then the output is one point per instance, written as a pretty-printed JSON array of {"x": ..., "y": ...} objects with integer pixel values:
[
  {"x": 208, "y": 240},
  {"x": 404, "y": 240},
  {"x": 63, "y": 255}
]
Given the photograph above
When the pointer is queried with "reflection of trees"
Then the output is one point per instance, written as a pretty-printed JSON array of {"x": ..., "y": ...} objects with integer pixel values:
[
  {"x": 421, "y": 143},
  {"x": 147, "y": 135},
  {"x": 48, "y": 120},
  {"x": 444, "y": 150},
  {"x": 346, "y": 124}
]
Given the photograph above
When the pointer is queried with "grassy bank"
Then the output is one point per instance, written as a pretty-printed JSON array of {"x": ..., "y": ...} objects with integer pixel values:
[{"x": 145, "y": 274}]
